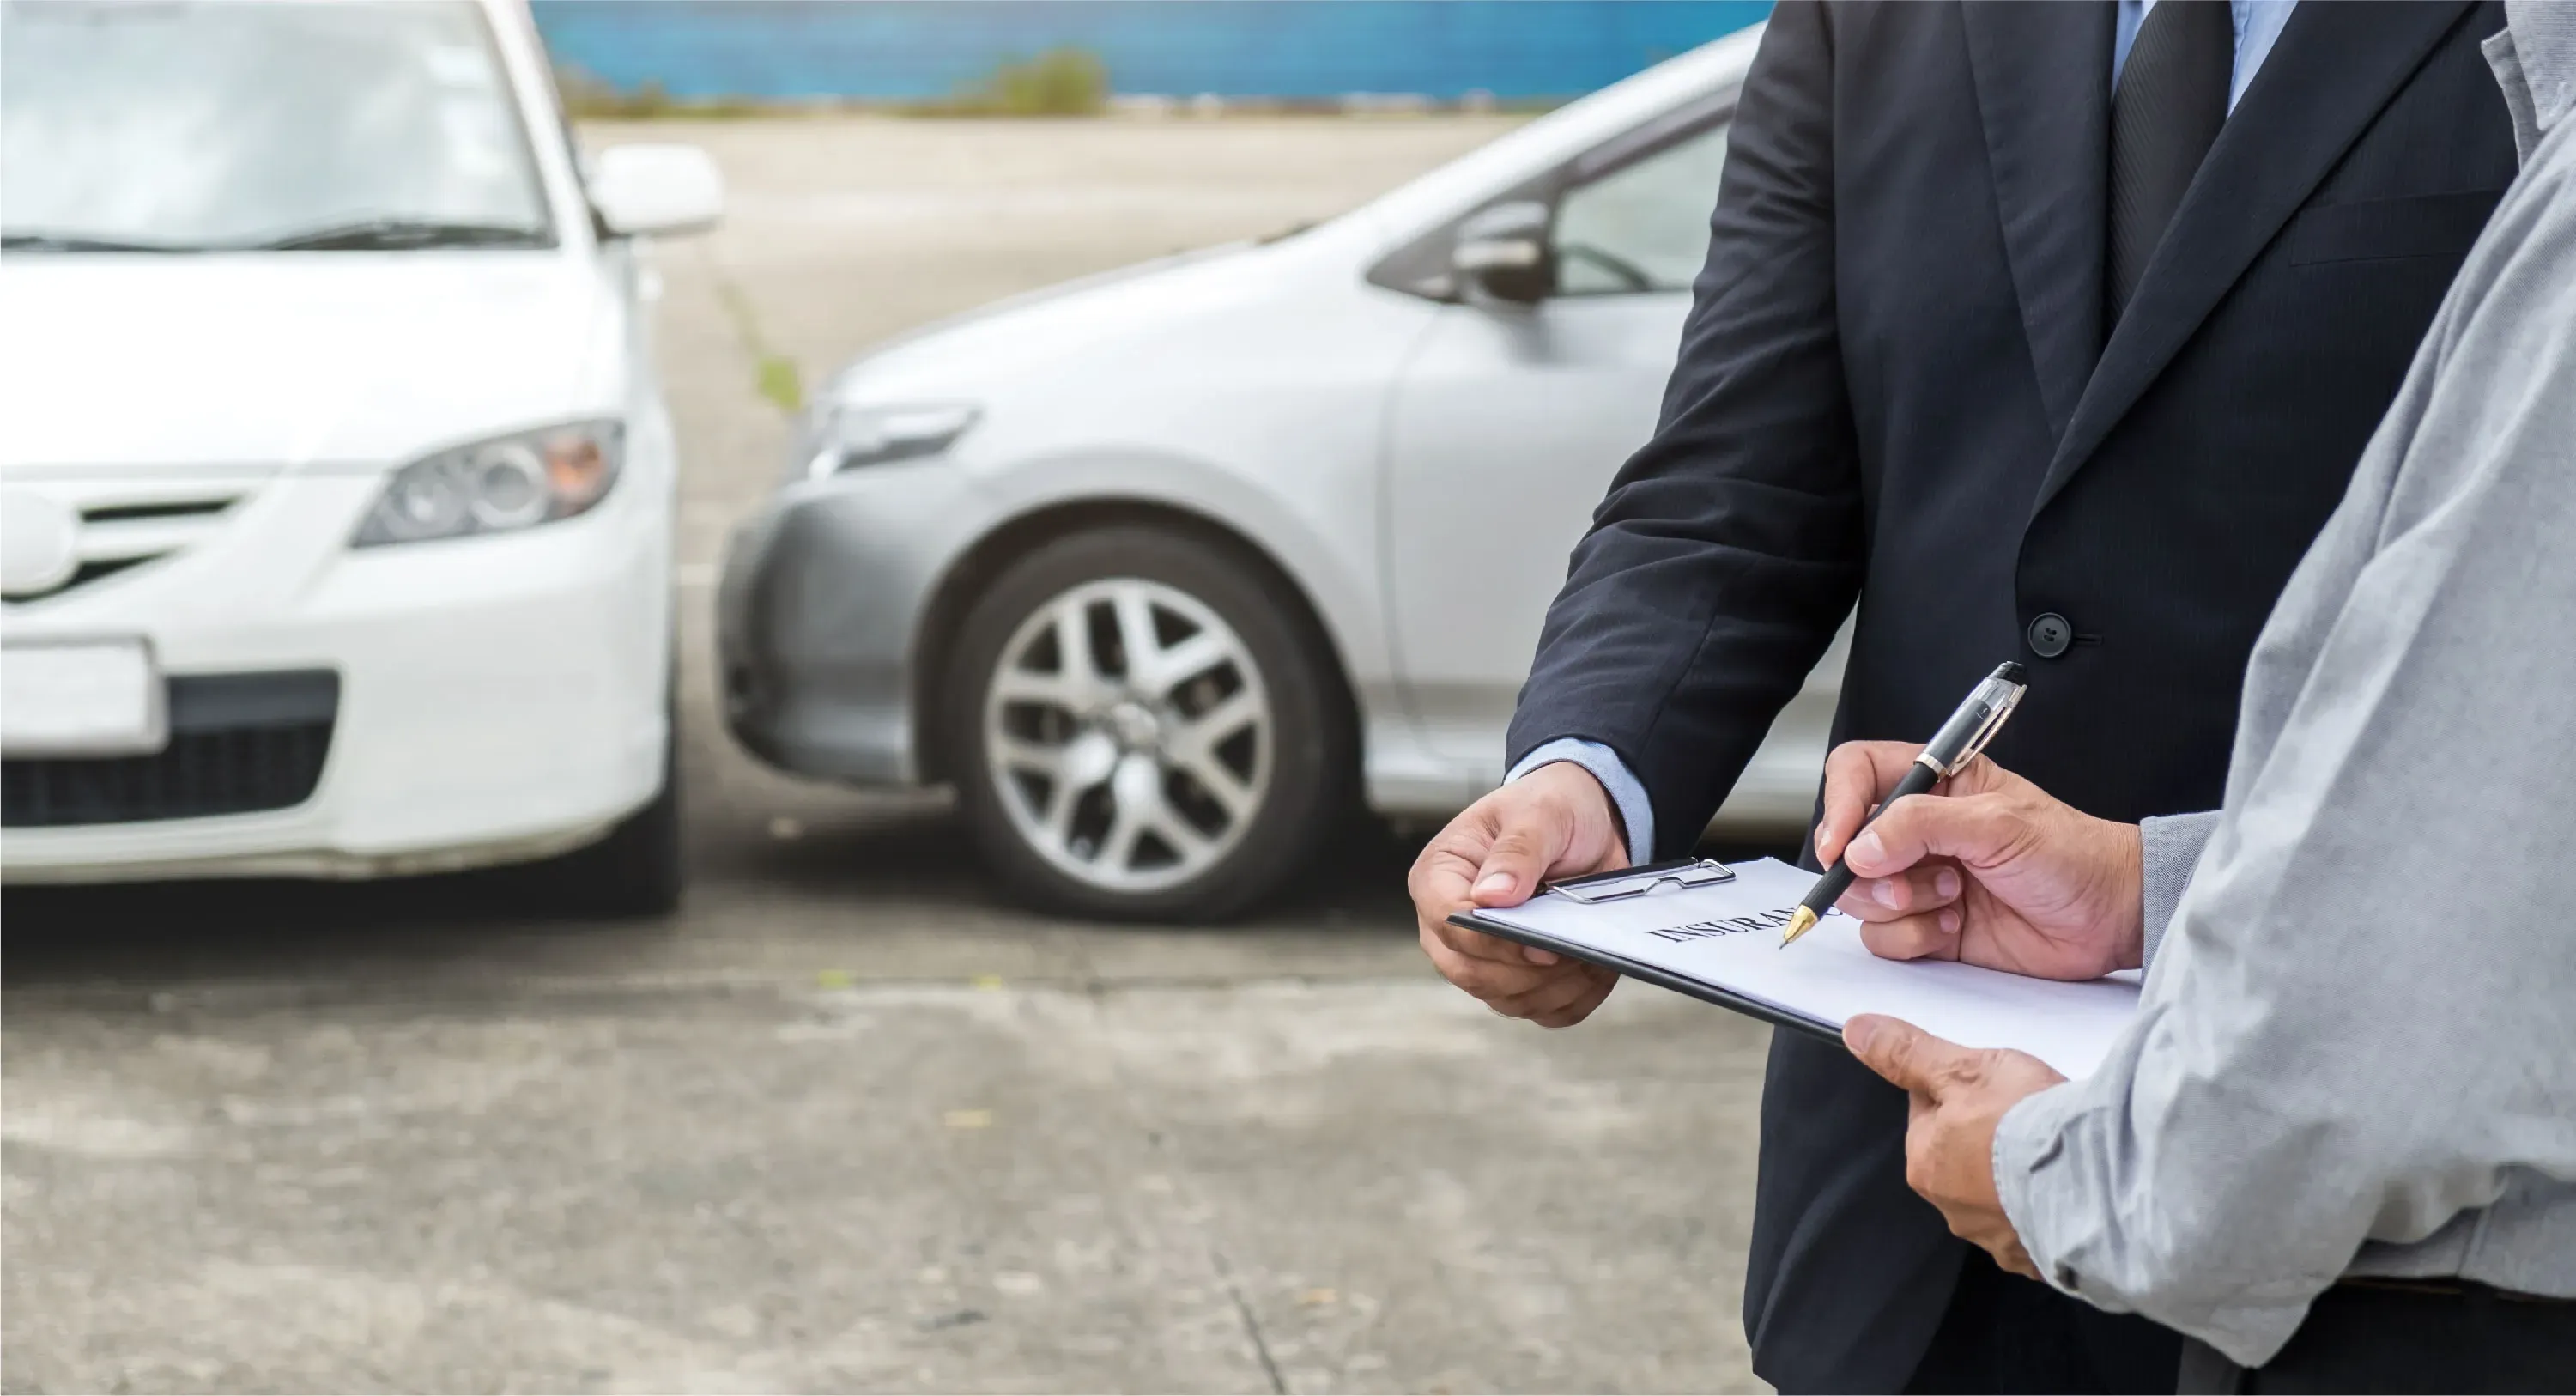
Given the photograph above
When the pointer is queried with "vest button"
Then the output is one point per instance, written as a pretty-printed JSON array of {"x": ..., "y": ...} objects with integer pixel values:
[{"x": 2050, "y": 634}]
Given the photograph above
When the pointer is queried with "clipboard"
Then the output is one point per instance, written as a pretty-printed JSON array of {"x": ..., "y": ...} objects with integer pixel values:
[
  {"x": 1647, "y": 881},
  {"x": 1712, "y": 933}
]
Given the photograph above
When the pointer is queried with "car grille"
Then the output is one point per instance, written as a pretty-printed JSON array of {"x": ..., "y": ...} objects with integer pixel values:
[
  {"x": 128, "y": 523},
  {"x": 239, "y": 744}
]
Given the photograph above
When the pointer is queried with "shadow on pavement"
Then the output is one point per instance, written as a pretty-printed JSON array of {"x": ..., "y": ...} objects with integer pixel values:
[
  {"x": 912, "y": 855},
  {"x": 926, "y": 855},
  {"x": 906, "y": 856},
  {"x": 177, "y": 933}
]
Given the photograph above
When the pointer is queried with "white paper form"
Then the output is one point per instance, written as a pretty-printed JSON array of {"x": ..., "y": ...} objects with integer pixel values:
[{"x": 1727, "y": 937}]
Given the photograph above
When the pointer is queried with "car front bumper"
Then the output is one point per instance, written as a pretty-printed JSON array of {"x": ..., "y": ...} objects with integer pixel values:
[
  {"x": 481, "y": 699},
  {"x": 820, "y": 612}
]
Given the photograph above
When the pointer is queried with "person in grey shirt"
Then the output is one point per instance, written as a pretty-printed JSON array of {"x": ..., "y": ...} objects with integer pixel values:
[{"x": 2337, "y": 1149}]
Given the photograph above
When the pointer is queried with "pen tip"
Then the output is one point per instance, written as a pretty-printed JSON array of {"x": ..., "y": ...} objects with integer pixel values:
[{"x": 1798, "y": 925}]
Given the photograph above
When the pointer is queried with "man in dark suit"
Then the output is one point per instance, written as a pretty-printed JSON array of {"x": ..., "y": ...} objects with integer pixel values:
[{"x": 2048, "y": 332}]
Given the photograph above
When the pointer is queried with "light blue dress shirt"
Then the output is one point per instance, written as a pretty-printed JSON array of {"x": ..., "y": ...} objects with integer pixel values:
[
  {"x": 2258, "y": 27},
  {"x": 1628, "y": 793}
]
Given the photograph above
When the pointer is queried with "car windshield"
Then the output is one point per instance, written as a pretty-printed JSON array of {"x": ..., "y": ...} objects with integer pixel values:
[{"x": 242, "y": 124}]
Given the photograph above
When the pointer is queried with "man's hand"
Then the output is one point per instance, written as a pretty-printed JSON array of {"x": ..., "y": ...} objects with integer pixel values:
[
  {"x": 1958, "y": 1096},
  {"x": 1555, "y": 822},
  {"x": 1991, "y": 870}
]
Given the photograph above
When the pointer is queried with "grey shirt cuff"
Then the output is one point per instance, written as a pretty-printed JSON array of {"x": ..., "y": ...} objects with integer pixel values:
[
  {"x": 2028, "y": 1138},
  {"x": 2506, "y": 59},
  {"x": 2171, "y": 846},
  {"x": 2055, "y": 1176}
]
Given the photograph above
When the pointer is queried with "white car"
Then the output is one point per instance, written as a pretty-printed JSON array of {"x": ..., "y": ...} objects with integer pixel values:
[
  {"x": 1159, "y": 567},
  {"x": 336, "y": 486}
]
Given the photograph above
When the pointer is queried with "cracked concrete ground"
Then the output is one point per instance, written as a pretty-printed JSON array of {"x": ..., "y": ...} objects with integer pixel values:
[{"x": 848, "y": 1122}]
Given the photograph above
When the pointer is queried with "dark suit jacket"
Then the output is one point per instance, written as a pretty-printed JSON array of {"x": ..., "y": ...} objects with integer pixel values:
[{"x": 1896, "y": 389}]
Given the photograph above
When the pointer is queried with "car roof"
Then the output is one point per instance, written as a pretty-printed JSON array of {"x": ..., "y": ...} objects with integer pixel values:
[{"x": 1563, "y": 134}]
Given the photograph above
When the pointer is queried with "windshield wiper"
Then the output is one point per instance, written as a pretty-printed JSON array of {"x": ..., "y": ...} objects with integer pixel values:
[
  {"x": 41, "y": 240},
  {"x": 366, "y": 235},
  {"x": 398, "y": 235}
]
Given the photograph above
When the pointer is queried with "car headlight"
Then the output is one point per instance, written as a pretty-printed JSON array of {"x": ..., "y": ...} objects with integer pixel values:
[
  {"x": 497, "y": 486},
  {"x": 840, "y": 437}
]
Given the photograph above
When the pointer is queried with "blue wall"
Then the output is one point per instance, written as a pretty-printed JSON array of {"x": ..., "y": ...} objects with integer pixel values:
[{"x": 903, "y": 49}]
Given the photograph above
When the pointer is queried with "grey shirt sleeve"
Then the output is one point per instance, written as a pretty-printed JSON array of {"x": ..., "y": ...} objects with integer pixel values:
[
  {"x": 2506, "y": 60},
  {"x": 2356, "y": 1028},
  {"x": 2171, "y": 846}
]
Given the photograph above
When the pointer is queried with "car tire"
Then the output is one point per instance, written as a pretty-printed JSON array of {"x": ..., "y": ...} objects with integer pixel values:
[
  {"x": 1145, "y": 725},
  {"x": 635, "y": 871}
]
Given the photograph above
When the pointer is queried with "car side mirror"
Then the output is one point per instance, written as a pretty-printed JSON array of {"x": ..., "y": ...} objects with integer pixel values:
[
  {"x": 1502, "y": 254},
  {"x": 657, "y": 187}
]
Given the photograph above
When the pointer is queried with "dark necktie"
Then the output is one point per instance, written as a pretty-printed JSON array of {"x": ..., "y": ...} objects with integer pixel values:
[{"x": 2166, "y": 112}]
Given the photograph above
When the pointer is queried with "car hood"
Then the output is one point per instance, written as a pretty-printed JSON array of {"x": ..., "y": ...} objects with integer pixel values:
[
  {"x": 1034, "y": 332},
  {"x": 310, "y": 360}
]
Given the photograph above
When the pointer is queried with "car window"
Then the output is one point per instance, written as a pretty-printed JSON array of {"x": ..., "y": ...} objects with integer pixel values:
[
  {"x": 1642, "y": 226},
  {"x": 159, "y": 127}
]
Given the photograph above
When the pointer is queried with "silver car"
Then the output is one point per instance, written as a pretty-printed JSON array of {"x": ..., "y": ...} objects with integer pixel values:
[{"x": 1167, "y": 569}]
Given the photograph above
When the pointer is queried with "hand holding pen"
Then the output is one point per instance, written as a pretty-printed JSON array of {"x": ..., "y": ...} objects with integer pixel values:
[
  {"x": 1957, "y": 743},
  {"x": 1992, "y": 871}
]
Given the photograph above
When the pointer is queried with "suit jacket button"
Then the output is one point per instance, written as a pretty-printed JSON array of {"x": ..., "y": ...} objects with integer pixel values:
[{"x": 2050, "y": 634}]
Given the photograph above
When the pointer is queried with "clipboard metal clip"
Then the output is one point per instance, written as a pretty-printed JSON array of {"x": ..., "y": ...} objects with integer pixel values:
[{"x": 1592, "y": 889}]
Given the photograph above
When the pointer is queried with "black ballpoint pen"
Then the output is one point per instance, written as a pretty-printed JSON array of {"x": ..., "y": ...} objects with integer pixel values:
[{"x": 1954, "y": 746}]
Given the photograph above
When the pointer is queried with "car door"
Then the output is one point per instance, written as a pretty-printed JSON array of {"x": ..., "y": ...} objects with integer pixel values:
[{"x": 1509, "y": 420}]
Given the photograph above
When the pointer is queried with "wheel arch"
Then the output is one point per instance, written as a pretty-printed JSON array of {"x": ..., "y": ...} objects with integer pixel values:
[{"x": 974, "y": 570}]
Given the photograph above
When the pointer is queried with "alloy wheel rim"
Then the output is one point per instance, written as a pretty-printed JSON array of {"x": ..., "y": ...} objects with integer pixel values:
[{"x": 1128, "y": 734}]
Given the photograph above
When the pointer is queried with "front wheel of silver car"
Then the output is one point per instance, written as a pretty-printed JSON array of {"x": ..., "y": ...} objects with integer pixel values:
[{"x": 1143, "y": 726}]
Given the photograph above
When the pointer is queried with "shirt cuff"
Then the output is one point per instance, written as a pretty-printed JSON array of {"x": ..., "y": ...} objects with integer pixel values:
[
  {"x": 2171, "y": 849},
  {"x": 2031, "y": 1136},
  {"x": 2506, "y": 60},
  {"x": 1627, "y": 793},
  {"x": 2054, "y": 1178}
]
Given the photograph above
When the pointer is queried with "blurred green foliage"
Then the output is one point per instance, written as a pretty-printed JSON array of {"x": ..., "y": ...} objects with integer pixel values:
[
  {"x": 1058, "y": 82},
  {"x": 773, "y": 375},
  {"x": 777, "y": 380},
  {"x": 588, "y": 98}
]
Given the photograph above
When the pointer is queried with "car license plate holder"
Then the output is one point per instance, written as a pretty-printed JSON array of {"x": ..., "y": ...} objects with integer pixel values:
[{"x": 102, "y": 697}]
